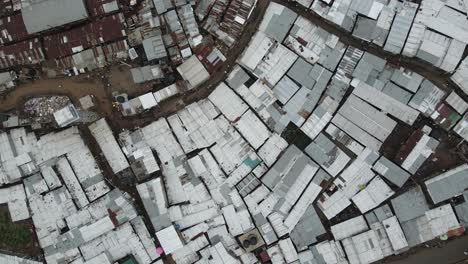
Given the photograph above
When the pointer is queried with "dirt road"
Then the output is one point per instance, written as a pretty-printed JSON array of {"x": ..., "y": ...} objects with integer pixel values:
[{"x": 451, "y": 252}]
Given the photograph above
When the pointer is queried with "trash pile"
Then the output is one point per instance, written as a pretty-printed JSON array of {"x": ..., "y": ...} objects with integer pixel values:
[{"x": 41, "y": 109}]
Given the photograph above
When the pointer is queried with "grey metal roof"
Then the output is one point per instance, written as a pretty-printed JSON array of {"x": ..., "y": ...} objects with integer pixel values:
[
  {"x": 301, "y": 73},
  {"x": 369, "y": 65},
  {"x": 269, "y": 234},
  {"x": 31, "y": 181},
  {"x": 154, "y": 48},
  {"x": 293, "y": 156},
  {"x": 380, "y": 35},
  {"x": 411, "y": 231},
  {"x": 279, "y": 121},
  {"x": 318, "y": 258},
  {"x": 407, "y": 80},
  {"x": 304, "y": 101},
  {"x": 310, "y": 76},
  {"x": 248, "y": 184},
  {"x": 371, "y": 218},
  {"x": 337, "y": 89},
  {"x": 364, "y": 28},
  {"x": 237, "y": 79},
  {"x": 410, "y": 204},
  {"x": 144, "y": 74},
  {"x": 6, "y": 77},
  {"x": 285, "y": 89},
  {"x": 321, "y": 177},
  {"x": 396, "y": 92},
  {"x": 462, "y": 210},
  {"x": 361, "y": 6},
  {"x": 379, "y": 214},
  {"x": 383, "y": 212},
  {"x": 321, "y": 76},
  {"x": 159, "y": 221},
  {"x": 329, "y": 58},
  {"x": 323, "y": 151},
  {"x": 391, "y": 171},
  {"x": 428, "y": 94},
  {"x": 307, "y": 229},
  {"x": 300, "y": 106},
  {"x": 448, "y": 185},
  {"x": 429, "y": 57},
  {"x": 40, "y": 15},
  {"x": 400, "y": 28},
  {"x": 280, "y": 24},
  {"x": 162, "y": 6}
]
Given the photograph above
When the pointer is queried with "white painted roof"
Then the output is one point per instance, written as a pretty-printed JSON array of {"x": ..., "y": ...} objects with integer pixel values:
[
  {"x": 169, "y": 239},
  {"x": 228, "y": 102},
  {"x": 384, "y": 102},
  {"x": 457, "y": 103},
  {"x": 193, "y": 71},
  {"x": 349, "y": 228},
  {"x": 259, "y": 46},
  {"x": 109, "y": 146},
  {"x": 253, "y": 129},
  {"x": 147, "y": 101},
  {"x": 373, "y": 195},
  {"x": 395, "y": 233},
  {"x": 15, "y": 197}
]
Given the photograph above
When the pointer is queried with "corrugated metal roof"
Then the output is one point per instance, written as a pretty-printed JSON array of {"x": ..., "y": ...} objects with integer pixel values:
[
  {"x": 462, "y": 210},
  {"x": 277, "y": 21},
  {"x": 40, "y": 15},
  {"x": 460, "y": 77},
  {"x": 391, "y": 171},
  {"x": 424, "y": 148},
  {"x": 253, "y": 129},
  {"x": 400, "y": 27},
  {"x": 363, "y": 248},
  {"x": 228, "y": 102},
  {"x": 364, "y": 28},
  {"x": 410, "y": 204},
  {"x": 407, "y": 79},
  {"x": 327, "y": 155},
  {"x": 356, "y": 132},
  {"x": 367, "y": 117},
  {"x": 146, "y": 73},
  {"x": 285, "y": 89},
  {"x": 448, "y": 184},
  {"x": 373, "y": 195},
  {"x": 193, "y": 71},
  {"x": 349, "y": 228},
  {"x": 109, "y": 146},
  {"x": 397, "y": 93},
  {"x": 384, "y": 102},
  {"x": 154, "y": 48},
  {"x": 308, "y": 229},
  {"x": 457, "y": 103}
]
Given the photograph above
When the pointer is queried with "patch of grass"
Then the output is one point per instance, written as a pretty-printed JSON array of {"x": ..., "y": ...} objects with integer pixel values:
[{"x": 11, "y": 234}]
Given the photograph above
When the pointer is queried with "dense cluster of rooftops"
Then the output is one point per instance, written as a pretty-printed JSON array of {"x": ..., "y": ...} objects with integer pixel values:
[{"x": 220, "y": 181}]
